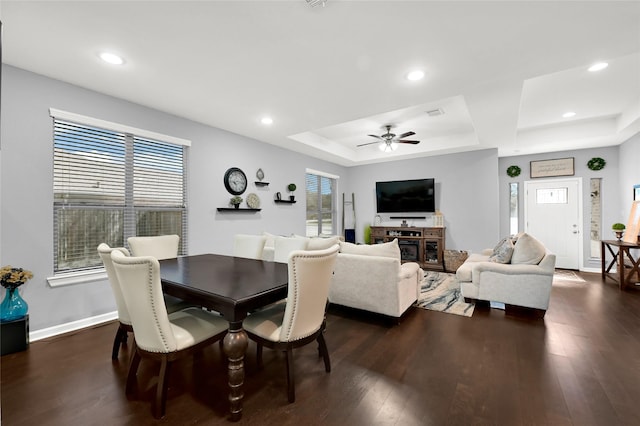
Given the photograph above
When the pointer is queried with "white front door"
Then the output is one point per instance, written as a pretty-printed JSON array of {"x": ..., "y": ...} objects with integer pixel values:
[{"x": 553, "y": 215}]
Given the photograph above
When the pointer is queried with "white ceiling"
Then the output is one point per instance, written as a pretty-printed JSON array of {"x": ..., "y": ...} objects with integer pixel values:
[{"x": 503, "y": 72}]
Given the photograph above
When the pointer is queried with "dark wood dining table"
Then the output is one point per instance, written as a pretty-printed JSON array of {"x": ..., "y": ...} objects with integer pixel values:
[{"x": 233, "y": 286}]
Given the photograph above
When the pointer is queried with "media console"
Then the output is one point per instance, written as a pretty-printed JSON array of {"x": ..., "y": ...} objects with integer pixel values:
[{"x": 422, "y": 245}]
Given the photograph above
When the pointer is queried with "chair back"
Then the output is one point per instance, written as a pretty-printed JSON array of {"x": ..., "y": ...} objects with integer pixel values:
[
  {"x": 309, "y": 279},
  {"x": 139, "y": 279},
  {"x": 249, "y": 246},
  {"x": 283, "y": 246},
  {"x": 160, "y": 247},
  {"x": 105, "y": 254}
]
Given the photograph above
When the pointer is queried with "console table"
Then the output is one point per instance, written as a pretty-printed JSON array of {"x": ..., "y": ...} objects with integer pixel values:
[
  {"x": 624, "y": 252},
  {"x": 422, "y": 245}
]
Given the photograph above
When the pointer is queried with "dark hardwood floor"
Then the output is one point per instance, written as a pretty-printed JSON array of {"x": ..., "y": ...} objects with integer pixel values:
[{"x": 580, "y": 365}]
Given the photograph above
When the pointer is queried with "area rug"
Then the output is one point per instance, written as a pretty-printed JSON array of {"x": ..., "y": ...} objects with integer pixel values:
[{"x": 441, "y": 292}]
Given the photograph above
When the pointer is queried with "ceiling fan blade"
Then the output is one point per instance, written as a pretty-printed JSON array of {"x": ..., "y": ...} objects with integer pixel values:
[
  {"x": 376, "y": 136},
  {"x": 365, "y": 144},
  {"x": 404, "y": 135},
  {"x": 411, "y": 142}
]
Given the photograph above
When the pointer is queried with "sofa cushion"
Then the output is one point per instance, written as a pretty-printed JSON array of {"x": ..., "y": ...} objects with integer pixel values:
[
  {"x": 503, "y": 251},
  {"x": 321, "y": 243},
  {"x": 270, "y": 241},
  {"x": 390, "y": 249},
  {"x": 527, "y": 251}
]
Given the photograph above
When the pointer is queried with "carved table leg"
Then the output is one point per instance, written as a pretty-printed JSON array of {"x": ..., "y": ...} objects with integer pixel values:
[{"x": 235, "y": 346}]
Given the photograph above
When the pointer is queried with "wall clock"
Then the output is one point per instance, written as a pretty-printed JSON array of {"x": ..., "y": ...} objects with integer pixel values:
[{"x": 235, "y": 181}]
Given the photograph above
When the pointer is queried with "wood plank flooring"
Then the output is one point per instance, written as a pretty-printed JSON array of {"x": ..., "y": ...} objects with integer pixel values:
[{"x": 580, "y": 365}]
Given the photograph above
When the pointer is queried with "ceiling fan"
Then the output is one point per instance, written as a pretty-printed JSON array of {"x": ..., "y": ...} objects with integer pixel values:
[{"x": 388, "y": 141}]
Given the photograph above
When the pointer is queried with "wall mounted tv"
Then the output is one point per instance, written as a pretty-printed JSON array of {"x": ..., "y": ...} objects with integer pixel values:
[{"x": 406, "y": 196}]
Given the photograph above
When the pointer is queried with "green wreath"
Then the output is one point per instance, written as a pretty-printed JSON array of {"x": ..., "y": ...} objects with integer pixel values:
[
  {"x": 596, "y": 163},
  {"x": 513, "y": 171}
]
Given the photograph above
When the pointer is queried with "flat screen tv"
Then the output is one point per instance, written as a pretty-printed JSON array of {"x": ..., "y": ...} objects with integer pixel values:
[{"x": 406, "y": 196}]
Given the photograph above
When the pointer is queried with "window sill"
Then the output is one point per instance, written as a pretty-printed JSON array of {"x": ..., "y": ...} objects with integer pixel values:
[{"x": 72, "y": 278}]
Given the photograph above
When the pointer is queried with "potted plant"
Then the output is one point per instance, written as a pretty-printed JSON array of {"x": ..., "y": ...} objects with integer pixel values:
[
  {"x": 235, "y": 201},
  {"x": 618, "y": 228},
  {"x": 292, "y": 187}
]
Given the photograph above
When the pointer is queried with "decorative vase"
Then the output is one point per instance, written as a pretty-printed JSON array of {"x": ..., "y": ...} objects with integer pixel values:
[
  {"x": 618, "y": 235},
  {"x": 13, "y": 306},
  {"x": 236, "y": 206},
  {"x": 292, "y": 197}
]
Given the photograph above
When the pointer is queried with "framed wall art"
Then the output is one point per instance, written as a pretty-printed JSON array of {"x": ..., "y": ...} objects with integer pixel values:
[{"x": 551, "y": 168}]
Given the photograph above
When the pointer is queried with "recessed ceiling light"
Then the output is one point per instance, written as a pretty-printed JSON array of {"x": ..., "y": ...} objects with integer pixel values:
[
  {"x": 267, "y": 121},
  {"x": 111, "y": 58},
  {"x": 598, "y": 67},
  {"x": 569, "y": 114},
  {"x": 415, "y": 75}
]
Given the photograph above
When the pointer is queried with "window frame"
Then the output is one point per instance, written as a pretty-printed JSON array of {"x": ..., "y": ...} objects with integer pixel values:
[
  {"x": 333, "y": 210},
  {"x": 133, "y": 136}
]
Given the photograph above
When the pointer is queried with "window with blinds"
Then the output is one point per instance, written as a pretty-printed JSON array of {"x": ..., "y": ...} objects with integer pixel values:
[
  {"x": 320, "y": 191},
  {"x": 111, "y": 185}
]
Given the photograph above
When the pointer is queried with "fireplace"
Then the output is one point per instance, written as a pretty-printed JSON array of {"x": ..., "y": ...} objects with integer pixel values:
[{"x": 409, "y": 250}]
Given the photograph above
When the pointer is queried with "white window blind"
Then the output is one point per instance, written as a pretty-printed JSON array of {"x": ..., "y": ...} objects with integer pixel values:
[
  {"x": 320, "y": 191},
  {"x": 110, "y": 185}
]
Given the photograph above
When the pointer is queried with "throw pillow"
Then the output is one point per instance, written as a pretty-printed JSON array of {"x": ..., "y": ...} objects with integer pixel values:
[
  {"x": 390, "y": 249},
  {"x": 502, "y": 252},
  {"x": 320, "y": 243},
  {"x": 527, "y": 251}
]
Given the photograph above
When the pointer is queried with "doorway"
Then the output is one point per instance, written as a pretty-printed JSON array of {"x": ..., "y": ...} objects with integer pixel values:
[{"x": 553, "y": 214}]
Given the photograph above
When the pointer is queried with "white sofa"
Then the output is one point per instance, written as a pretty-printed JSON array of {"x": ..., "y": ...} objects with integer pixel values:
[
  {"x": 367, "y": 277},
  {"x": 523, "y": 280},
  {"x": 371, "y": 277}
]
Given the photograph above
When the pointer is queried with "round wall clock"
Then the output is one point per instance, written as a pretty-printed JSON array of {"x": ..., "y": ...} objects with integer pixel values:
[{"x": 235, "y": 181}]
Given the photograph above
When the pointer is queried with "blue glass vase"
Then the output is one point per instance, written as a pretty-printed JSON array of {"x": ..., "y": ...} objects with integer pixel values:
[{"x": 13, "y": 306}]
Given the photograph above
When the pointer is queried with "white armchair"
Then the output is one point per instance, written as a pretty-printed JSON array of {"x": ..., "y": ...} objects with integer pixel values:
[
  {"x": 371, "y": 278},
  {"x": 524, "y": 280}
]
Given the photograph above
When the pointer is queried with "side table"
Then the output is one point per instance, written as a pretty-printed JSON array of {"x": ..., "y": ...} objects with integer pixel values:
[
  {"x": 14, "y": 335},
  {"x": 624, "y": 252}
]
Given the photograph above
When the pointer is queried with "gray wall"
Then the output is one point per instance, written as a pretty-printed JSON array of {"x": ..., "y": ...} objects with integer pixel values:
[
  {"x": 466, "y": 194},
  {"x": 472, "y": 190},
  {"x": 610, "y": 198},
  {"x": 26, "y": 177}
]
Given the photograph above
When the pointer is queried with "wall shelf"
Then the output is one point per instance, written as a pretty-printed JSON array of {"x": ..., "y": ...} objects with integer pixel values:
[
  {"x": 232, "y": 209},
  {"x": 285, "y": 201},
  {"x": 261, "y": 183}
]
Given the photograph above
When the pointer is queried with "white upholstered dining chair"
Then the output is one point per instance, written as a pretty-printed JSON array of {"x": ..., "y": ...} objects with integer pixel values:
[
  {"x": 248, "y": 246},
  {"x": 172, "y": 303},
  {"x": 301, "y": 320},
  {"x": 284, "y": 246},
  {"x": 161, "y": 246},
  {"x": 160, "y": 336}
]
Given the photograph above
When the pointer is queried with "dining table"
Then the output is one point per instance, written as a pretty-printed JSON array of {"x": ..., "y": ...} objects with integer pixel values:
[{"x": 232, "y": 286}]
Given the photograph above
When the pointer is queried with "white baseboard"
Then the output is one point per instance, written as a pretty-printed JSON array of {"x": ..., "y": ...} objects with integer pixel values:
[
  {"x": 72, "y": 326},
  {"x": 595, "y": 270}
]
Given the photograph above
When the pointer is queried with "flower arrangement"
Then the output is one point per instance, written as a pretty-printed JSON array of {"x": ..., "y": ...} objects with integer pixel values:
[
  {"x": 12, "y": 278},
  {"x": 235, "y": 200},
  {"x": 618, "y": 227}
]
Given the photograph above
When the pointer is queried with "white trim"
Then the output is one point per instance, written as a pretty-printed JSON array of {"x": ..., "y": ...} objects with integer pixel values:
[
  {"x": 72, "y": 326},
  {"x": 90, "y": 121},
  {"x": 589, "y": 269},
  {"x": 81, "y": 277},
  {"x": 319, "y": 173}
]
